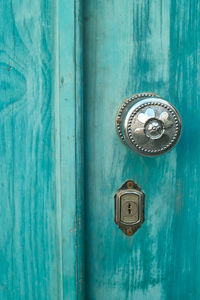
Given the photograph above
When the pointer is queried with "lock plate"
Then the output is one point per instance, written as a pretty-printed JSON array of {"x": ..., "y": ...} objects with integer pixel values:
[
  {"x": 129, "y": 207},
  {"x": 129, "y": 212}
]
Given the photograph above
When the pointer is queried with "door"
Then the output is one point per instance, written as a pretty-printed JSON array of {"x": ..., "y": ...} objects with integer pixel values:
[
  {"x": 65, "y": 69},
  {"x": 133, "y": 47}
]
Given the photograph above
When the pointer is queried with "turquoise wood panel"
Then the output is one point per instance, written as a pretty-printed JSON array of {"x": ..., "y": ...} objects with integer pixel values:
[
  {"x": 70, "y": 150},
  {"x": 40, "y": 100},
  {"x": 30, "y": 245},
  {"x": 136, "y": 46}
]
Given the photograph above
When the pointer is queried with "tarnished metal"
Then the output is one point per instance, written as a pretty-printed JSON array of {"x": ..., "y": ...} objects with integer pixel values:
[
  {"x": 129, "y": 207},
  {"x": 148, "y": 124}
]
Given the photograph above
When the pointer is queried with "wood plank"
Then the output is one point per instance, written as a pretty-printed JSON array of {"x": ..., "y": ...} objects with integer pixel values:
[
  {"x": 71, "y": 147},
  {"x": 38, "y": 152},
  {"x": 30, "y": 244},
  {"x": 137, "y": 46}
]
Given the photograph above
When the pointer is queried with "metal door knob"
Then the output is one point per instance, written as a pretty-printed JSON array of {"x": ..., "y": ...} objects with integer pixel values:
[{"x": 148, "y": 124}]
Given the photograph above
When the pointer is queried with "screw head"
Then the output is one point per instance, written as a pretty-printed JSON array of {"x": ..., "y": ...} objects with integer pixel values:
[
  {"x": 129, "y": 231},
  {"x": 130, "y": 184}
]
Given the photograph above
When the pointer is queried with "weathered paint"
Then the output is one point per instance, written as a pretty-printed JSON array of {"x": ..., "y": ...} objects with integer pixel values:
[
  {"x": 130, "y": 47},
  {"x": 39, "y": 100}
]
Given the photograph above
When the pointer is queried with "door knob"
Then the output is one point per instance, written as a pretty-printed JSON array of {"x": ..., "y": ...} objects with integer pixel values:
[{"x": 148, "y": 124}]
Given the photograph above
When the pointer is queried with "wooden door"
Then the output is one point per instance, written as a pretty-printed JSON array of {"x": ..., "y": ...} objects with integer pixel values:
[
  {"x": 131, "y": 47},
  {"x": 65, "y": 68}
]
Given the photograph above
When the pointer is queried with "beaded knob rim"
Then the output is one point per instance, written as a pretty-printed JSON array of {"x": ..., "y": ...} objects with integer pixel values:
[
  {"x": 173, "y": 139},
  {"x": 122, "y": 108},
  {"x": 127, "y": 137}
]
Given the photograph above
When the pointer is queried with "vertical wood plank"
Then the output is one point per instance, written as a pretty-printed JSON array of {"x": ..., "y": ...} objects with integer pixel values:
[
  {"x": 71, "y": 147},
  {"x": 40, "y": 99},
  {"x": 30, "y": 239}
]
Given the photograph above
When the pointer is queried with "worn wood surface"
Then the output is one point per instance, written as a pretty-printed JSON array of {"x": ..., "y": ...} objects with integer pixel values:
[
  {"x": 39, "y": 100},
  {"x": 130, "y": 47}
]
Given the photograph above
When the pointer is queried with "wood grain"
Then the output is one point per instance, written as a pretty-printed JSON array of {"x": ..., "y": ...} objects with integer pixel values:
[
  {"x": 137, "y": 46},
  {"x": 38, "y": 183}
]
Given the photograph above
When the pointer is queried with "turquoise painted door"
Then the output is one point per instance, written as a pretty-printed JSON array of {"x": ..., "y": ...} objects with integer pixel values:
[
  {"x": 65, "y": 68},
  {"x": 131, "y": 47}
]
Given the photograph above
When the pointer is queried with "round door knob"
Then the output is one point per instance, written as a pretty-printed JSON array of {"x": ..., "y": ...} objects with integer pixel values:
[{"x": 148, "y": 124}]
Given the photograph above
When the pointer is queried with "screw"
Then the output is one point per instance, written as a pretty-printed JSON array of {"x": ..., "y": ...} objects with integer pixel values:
[
  {"x": 129, "y": 231},
  {"x": 130, "y": 184}
]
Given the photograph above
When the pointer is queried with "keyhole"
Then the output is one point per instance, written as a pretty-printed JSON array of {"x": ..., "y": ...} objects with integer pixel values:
[{"x": 129, "y": 208}]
